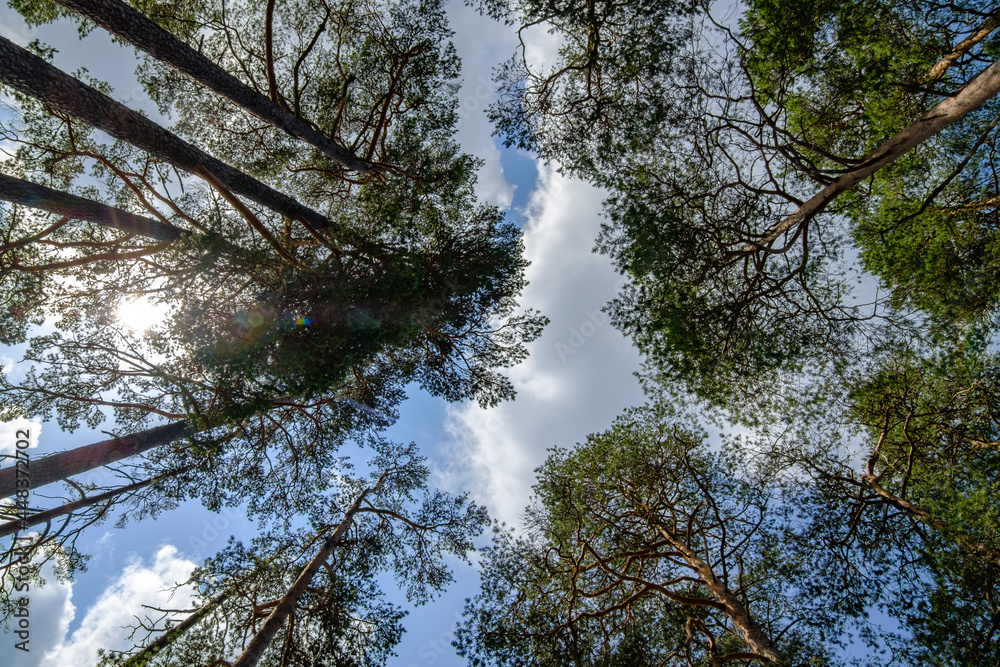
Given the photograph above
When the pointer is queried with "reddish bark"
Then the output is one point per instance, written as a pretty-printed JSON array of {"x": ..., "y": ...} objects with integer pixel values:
[
  {"x": 63, "y": 465},
  {"x": 969, "y": 98},
  {"x": 255, "y": 649}
]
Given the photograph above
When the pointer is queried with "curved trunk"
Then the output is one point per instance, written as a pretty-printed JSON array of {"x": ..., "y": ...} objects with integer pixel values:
[
  {"x": 755, "y": 638},
  {"x": 969, "y": 98},
  {"x": 122, "y": 21},
  {"x": 33, "y": 76}
]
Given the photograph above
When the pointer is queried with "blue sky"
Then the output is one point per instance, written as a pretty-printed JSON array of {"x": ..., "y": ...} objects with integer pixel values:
[{"x": 578, "y": 377}]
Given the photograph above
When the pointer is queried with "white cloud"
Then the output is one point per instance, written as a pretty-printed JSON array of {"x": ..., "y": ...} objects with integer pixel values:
[
  {"x": 482, "y": 46},
  {"x": 104, "y": 624},
  {"x": 579, "y": 374},
  {"x": 15, "y": 29},
  {"x": 51, "y": 611},
  {"x": 15, "y": 430},
  {"x": 541, "y": 47}
]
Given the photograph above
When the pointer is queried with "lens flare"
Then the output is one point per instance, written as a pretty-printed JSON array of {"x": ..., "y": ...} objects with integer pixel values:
[{"x": 140, "y": 314}]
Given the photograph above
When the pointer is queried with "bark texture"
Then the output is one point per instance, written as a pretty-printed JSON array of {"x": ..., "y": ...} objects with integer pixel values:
[
  {"x": 122, "y": 21},
  {"x": 37, "y": 196},
  {"x": 756, "y": 639},
  {"x": 33, "y": 76},
  {"x": 60, "y": 466},
  {"x": 969, "y": 98}
]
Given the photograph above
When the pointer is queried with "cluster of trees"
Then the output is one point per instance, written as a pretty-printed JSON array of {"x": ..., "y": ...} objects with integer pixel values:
[
  {"x": 311, "y": 226},
  {"x": 803, "y": 196}
]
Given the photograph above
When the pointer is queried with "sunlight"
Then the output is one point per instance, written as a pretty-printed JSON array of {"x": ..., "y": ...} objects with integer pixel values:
[{"x": 140, "y": 314}]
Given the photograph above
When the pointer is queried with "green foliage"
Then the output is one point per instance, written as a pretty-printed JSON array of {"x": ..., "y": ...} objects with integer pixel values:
[
  {"x": 414, "y": 280},
  {"x": 842, "y": 77},
  {"x": 379, "y": 79},
  {"x": 722, "y": 333},
  {"x": 342, "y": 618},
  {"x": 731, "y": 130},
  {"x": 895, "y": 492},
  {"x": 38, "y": 12},
  {"x": 936, "y": 251},
  {"x": 635, "y": 539},
  {"x": 608, "y": 93},
  {"x": 850, "y": 74},
  {"x": 846, "y": 75},
  {"x": 282, "y": 342}
]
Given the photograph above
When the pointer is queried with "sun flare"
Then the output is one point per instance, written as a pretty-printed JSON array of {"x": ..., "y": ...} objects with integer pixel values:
[{"x": 141, "y": 314}]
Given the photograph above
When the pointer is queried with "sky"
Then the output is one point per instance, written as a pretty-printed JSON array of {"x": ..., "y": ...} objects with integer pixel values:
[{"x": 578, "y": 377}]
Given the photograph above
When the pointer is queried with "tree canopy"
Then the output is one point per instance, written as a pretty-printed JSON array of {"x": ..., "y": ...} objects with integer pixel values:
[
  {"x": 759, "y": 156},
  {"x": 304, "y": 291},
  {"x": 802, "y": 197}
]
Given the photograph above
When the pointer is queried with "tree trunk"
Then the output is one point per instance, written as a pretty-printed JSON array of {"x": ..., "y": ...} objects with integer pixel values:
[
  {"x": 122, "y": 21},
  {"x": 12, "y": 527},
  {"x": 57, "y": 467},
  {"x": 255, "y": 649},
  {"x": 142, "y": 658},
  {"x": 976, "y": 36},
  {"x": 755, "y": 638},
  {"x": 33, "y": 76},
  {"x": 905, "y": 505},
  {"x": 969, "y": 98},
  {"x": 32, "y": 195}
]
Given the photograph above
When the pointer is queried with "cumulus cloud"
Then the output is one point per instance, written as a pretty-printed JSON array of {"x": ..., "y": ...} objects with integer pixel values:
[
  {"x": 579, "y": 374},
  {"x": 541, "y": 47},
  {"x": 50, "y": 613},
  {"x": 103, "y": 623}
]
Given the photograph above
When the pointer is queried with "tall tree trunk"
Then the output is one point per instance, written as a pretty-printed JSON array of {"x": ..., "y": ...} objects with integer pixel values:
[
  {"x": 122, "y": 21},
  {"x": 33, "y": 76},
  {"x": 32, "y": 195},
  {"x": 142, "y": 658},
  {"x": 752, "y": 634},
  {"x": 12, "y": 527},
  {"x": 255, "y": 649},
  {"x": 43, "y": 198},
  {"x": 57, "y": 467},
  {"x": 969, "y": 98}
]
